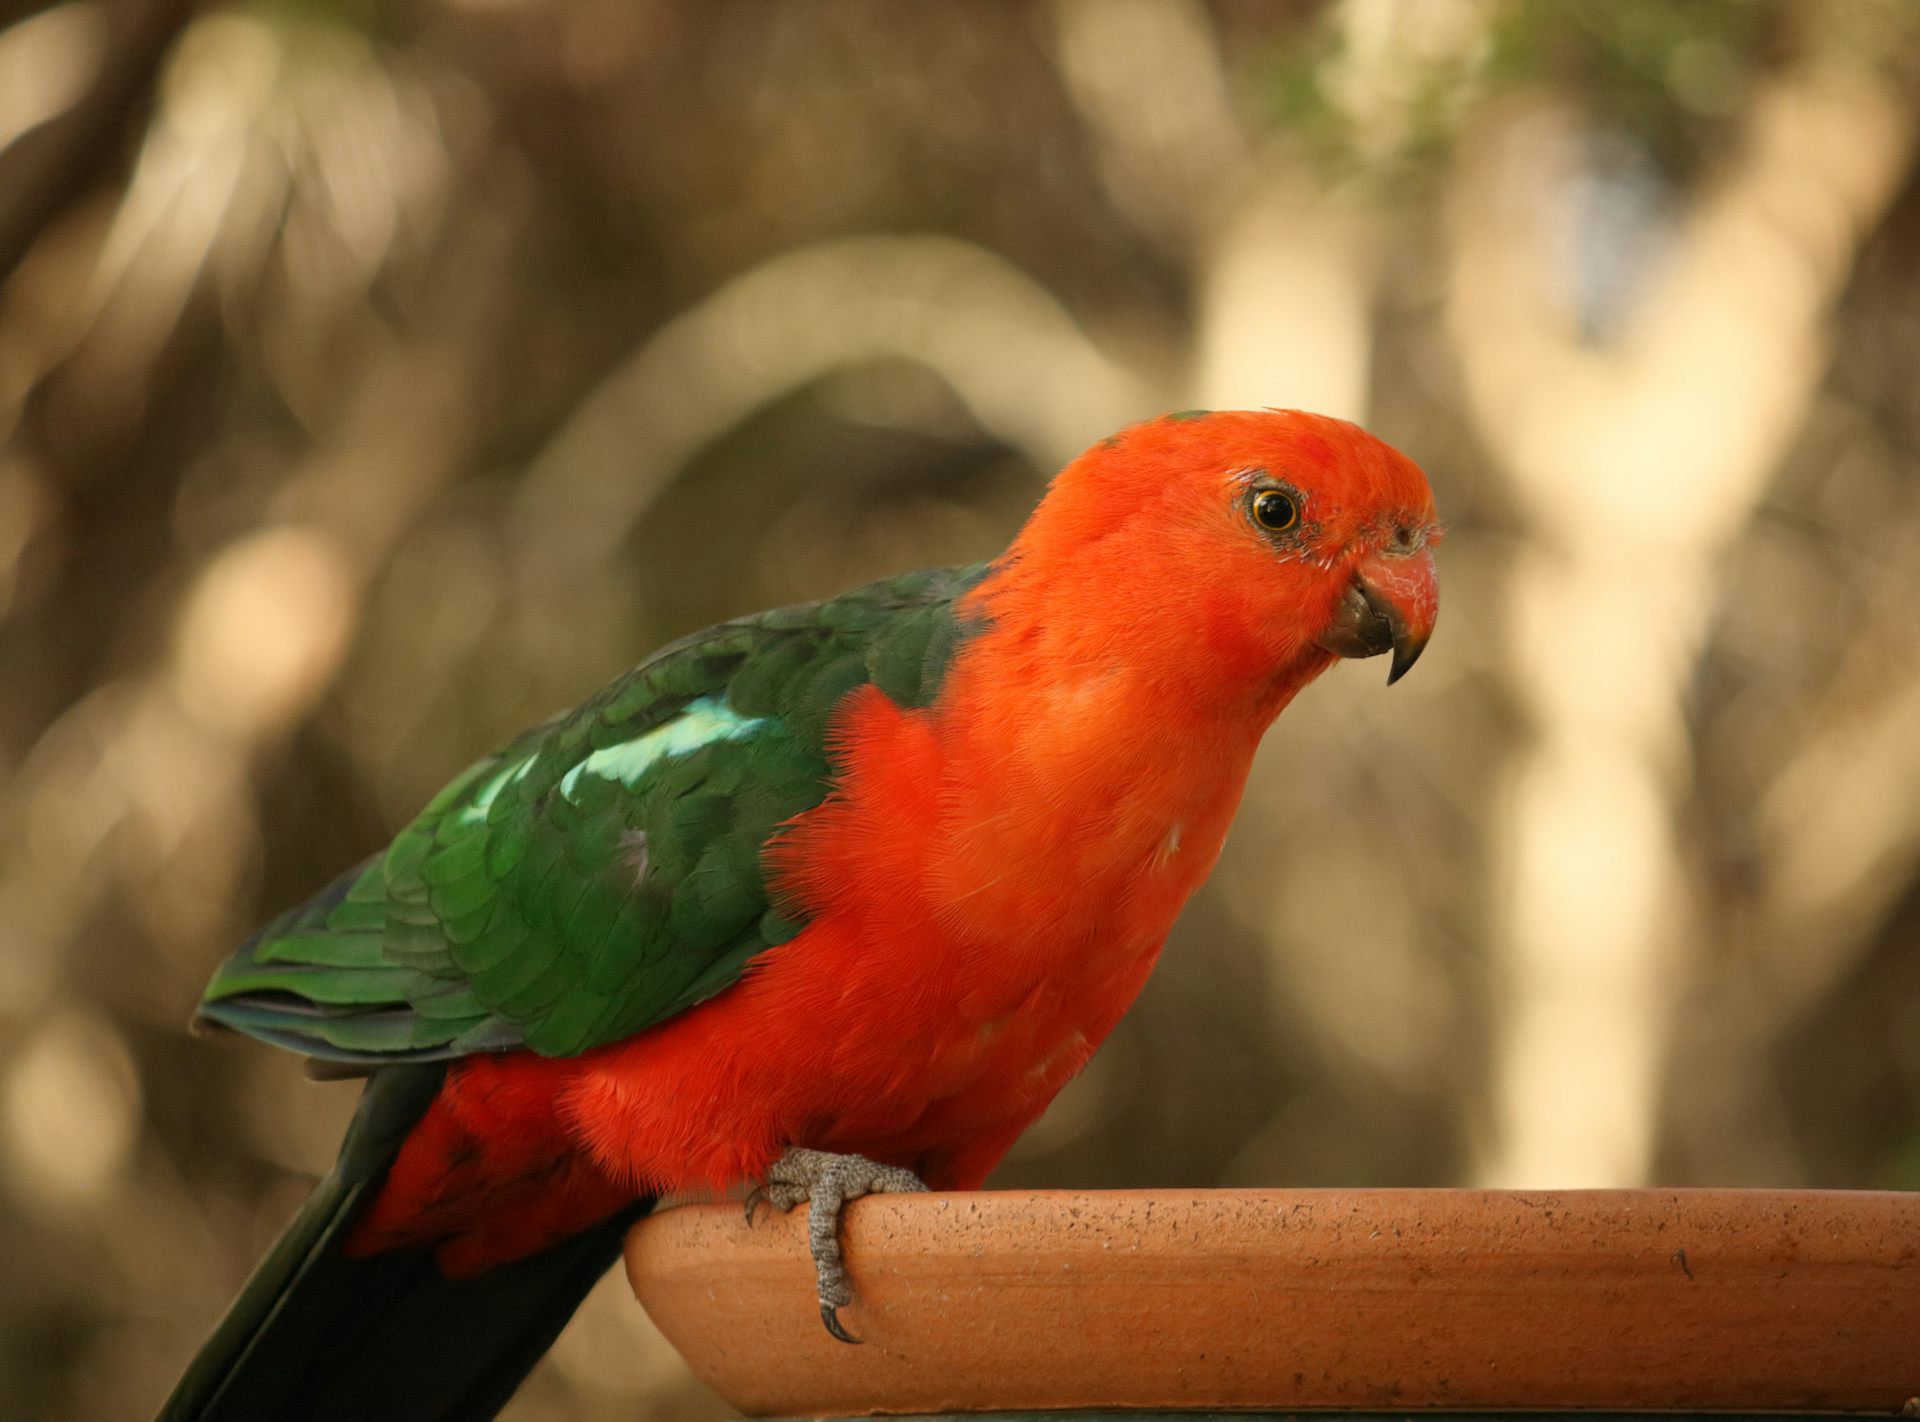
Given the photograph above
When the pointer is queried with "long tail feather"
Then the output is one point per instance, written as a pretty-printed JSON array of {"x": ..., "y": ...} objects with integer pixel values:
[{"x": 318, "y": 1337}]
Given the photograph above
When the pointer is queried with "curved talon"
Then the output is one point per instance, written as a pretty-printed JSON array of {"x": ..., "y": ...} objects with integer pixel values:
[
  {"x": 830, "y": 1315},
  {"x": 756, "y": 1197}
]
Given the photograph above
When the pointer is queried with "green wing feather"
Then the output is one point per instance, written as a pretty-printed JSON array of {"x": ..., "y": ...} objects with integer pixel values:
[{"x": 603, "y": 872}]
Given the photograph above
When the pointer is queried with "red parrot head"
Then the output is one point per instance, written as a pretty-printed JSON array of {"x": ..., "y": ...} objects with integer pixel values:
[{"x": 1239, "y": 550}]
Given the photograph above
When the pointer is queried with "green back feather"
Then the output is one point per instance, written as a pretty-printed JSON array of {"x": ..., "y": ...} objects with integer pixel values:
[{"x": 603, "y": 872}]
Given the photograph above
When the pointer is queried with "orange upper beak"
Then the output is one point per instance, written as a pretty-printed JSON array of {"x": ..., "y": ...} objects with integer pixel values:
[{"x": 1390, "y": 605}]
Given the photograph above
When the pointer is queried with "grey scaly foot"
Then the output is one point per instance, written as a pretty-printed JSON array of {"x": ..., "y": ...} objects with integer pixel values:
[{"x": 828, "y": 1182}]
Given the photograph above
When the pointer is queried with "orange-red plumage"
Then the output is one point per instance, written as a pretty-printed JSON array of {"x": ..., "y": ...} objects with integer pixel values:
[{"x": 992, "y": 877}]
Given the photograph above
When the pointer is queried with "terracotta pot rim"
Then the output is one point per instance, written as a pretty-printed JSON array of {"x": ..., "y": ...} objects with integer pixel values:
[{"x": 1310, "y": 1299}]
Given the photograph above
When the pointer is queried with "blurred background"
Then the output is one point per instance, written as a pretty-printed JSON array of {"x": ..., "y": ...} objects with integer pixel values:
[{"x": 377, "y": 378}]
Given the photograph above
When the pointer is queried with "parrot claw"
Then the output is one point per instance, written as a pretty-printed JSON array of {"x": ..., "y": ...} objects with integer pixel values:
[
  {"x": 830, "y": 1316},
  {"x": 828, "y": 1183}
]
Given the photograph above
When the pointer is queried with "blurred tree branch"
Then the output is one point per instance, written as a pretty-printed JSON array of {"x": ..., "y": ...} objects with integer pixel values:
[
  {"x": 1000, "y": 340},
  {"x": 49, "y": 167},
  {"x": 1146, "y": 81},
  {"x": 1839, "y": 825},
  {"x": 1637, "y": 460}
]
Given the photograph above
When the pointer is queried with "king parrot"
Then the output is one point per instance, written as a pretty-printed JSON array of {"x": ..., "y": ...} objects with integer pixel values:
[{"x": 833, "y": 898}]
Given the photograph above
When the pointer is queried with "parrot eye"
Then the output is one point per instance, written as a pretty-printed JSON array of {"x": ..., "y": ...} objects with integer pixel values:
[{"x": 1275, "y": 510}]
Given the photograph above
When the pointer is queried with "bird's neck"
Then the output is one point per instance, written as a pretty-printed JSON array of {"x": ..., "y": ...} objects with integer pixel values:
[{"x": 1107, "y": 777}]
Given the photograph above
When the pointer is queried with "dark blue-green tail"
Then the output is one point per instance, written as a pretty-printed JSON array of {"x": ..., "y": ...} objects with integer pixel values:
[{"x": 318, "y": 1337}]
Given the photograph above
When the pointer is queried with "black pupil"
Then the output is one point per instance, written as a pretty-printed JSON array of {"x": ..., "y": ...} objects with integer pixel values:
[{"x": 1273, "y": 510}]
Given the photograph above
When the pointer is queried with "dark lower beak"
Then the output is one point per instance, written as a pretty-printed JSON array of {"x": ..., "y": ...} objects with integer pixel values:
[{"x": 1390, "y": 606}]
